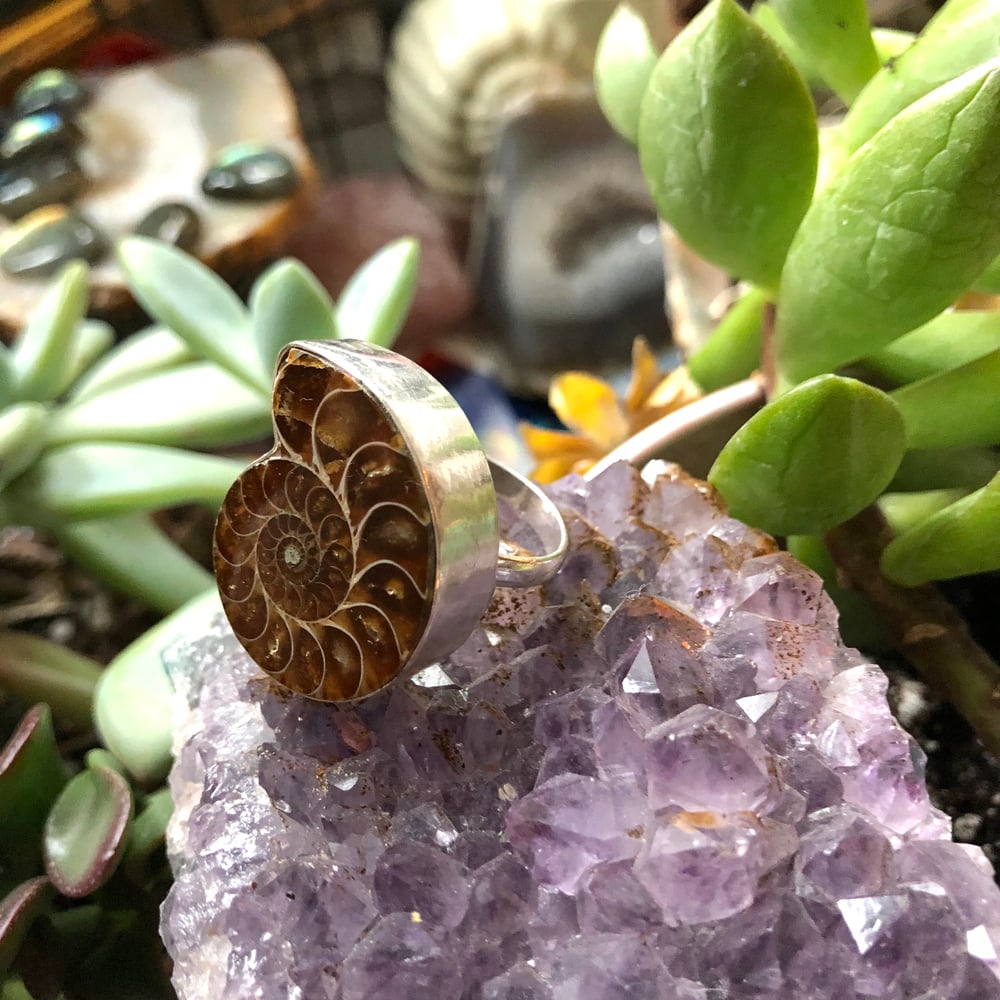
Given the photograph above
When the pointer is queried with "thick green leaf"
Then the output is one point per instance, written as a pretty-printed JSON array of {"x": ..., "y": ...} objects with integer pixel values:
[
  {"x": 812, "y": 458},
  {"x": 133, "y": 706},
  {"x": 151, "y": 350},
  {"x": 8, "y": 377},
  {"x": 945, "y": 468},
  {"x": 148, "y": 836},
  {"x": 86, "y": 831},
  {"x": 31, "y": 776},
  {"x": 766, "y": 16},
  {"x": 180, "y": 292},
  {"x": 908, "y": 223},
  {"x": 374, "y": 304},
  {"x": 955, "y": 409},
  {"x": 18, "y": 911},
  {"x": 732, "y": 350},
  {"x": 80, "y": 482},
  {"x": 905, "y": 510},
  {"x": 38, "y": 669},
  {"x": 989, "y": 280},
  {"x": 947, "y": 341},
  {"x": 91, "y": 339},
  {"x": 21, "y": 438},
  {"x": 960, "y": 37},
  {"x": 625, "y": 59},
  {"x": 728, "y": 143},
  {"x": 891, "y": 43},
  {"x": 288, "y": 303},
  {"x": 835, "y": 38},
  {"x": 43, "y": 353},
  {"x": 132, "y": 555},
  {"x": 198, "y": 405},
  {"x": 962, "y": 538}
]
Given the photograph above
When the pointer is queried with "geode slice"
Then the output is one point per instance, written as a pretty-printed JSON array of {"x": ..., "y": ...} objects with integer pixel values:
[{"x": 660, "y": 776}]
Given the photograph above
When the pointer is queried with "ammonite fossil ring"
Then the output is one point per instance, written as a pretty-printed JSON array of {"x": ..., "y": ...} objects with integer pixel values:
[{"x": 365, "y": 544}]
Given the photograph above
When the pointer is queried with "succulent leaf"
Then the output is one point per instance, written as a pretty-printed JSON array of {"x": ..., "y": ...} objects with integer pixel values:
[
  {"x": 960, "y": 37},
  {"x": 958, "y": 540},
  {"x": 835, "y": 38},
  {"x": 151, "y": 350},
  {"x": 91, "y": 339},
  {"x": 989, "y": 281},
  {"x": 148, "y": 836},
  {"x": 133, "y": 555},
  {"x": 626, "y": 55},
  {"x": 183, "y": 294},
  {"x": 21, "y": 438},
  {"x": 196, "y": 404},
  {"x": 18, "y": 911},
  {"x": 132, "y": 704},
  {"x": 811, "y": 458},
  {"x": 42, "y": 355},
  {"x": 86, "y": 831},
  {"x": 80, "y": 482},
  {"x": 907, "y": 224},
  {"x": 722, "y": 103},
  {"x": 954, "y": 409},
  {"x": 288, "y": 303},
  {"x": 374, "y": 304}
]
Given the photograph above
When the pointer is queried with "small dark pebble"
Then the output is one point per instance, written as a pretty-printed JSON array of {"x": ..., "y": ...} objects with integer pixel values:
[
  {"x": 35, "y": 183},
  {"x": 50, "y": 90},
  {"x": 40, "y": 133},
  {"x": 48, "y": 238},
  {"x": 173, "y": 222},
  {"x": 250, "y": 172}
]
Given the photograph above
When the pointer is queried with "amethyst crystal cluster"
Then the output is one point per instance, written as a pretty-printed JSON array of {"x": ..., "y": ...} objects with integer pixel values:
[{"x": 660, "y": 776}]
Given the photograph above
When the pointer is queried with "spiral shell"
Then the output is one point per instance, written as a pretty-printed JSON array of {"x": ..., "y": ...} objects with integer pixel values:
[
  {"x": 457, "y": 68},
  {"x": 325, "y": 549}
]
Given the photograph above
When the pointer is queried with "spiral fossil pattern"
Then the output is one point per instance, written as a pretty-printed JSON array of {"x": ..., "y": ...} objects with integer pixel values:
[{"x": 324, "y": 549}]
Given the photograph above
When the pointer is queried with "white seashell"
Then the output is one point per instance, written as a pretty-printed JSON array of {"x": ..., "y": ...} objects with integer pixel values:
[{"x": 459, "y": 67}]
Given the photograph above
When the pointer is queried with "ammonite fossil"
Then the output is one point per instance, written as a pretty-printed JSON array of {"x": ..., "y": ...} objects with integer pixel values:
[{"x": 366, "y": 539}]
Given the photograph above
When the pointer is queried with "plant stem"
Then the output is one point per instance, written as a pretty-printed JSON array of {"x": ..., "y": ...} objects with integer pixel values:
[{"x": 923, "y": 626}]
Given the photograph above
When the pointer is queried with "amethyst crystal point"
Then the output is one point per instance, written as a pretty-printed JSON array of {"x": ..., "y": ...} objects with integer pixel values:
[{"x": 662, "y": 775}]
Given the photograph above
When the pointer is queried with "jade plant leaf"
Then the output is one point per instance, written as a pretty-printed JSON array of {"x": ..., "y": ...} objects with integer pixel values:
[
  {"x": 21, "y": 438},
  {"x": 91, "y": 339},
  {"x": 947, "y": 341},
  {"x": 288, "y": 303},
  {"x": 945, "y": 468},
  {"x": 80, "y": 482},
  {"x": 37, "y": 669},
  {"x": 132, "y": 704},
  {"x": 147, "y": 837},
  {"x": 86, "y": 831},
  {"x": 31, "y": 776},
  {"x": 907, "y": 224},
  {"x": 728, "y": 143},
  {"x": 374, "y": 304},
  {"x": 954, "y": 409},
  {"x": 961, "y": 36},
  {"x": 18, "y": 911},
  {"x": 182, "y": 293},
  {"x": 132, "y": 554},
  {"x": 959, "y": 540},
  {"x": 151, "y": 350},
  {"x": 835, "y": 39},
  {"x": 989, "y": 280},
  {"x": 43, "y": 354},
  {"x": 626, "y": 55},
  {"x": 811, "y": 458},
  {"x": 196, "y": 404}
]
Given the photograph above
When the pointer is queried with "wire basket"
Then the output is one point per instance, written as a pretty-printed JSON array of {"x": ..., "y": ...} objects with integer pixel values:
[{"x": 331, "y": 50}]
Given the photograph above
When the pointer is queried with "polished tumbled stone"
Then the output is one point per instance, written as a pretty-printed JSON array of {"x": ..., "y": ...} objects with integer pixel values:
[
  {"x": 661, "y": 776},
  {"x": 250, "y": 172},
  {"x": 50, "y": 90},
  {"x": 44, "y": 132},
  {"x": 48, "y": 238},
  {"x": 173, "y": 222},
  {"x": 39, "y": 181}
]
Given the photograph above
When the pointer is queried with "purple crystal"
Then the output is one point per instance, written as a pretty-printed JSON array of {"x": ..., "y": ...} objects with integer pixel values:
[{"x": 662, "y": 775}]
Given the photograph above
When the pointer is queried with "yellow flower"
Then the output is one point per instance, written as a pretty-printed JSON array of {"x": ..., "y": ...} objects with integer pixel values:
[{"x": 597, "y": 420}]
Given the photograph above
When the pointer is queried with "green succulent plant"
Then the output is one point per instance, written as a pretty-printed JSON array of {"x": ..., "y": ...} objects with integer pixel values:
[
  {"x": 852, "y": 243},
  {"x": 94, "y": 440}
]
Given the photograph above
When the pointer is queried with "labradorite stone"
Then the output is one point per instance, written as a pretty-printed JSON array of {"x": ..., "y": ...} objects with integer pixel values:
[
  {"x": 36, "y": 182},
  {"x": 173, "y": 222},
  {"x": 250, "y": 172},
  {"x": 50, "y": 90},
  {"x": 45, "y": 240},
  {"x": 39, "y": 133}
]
